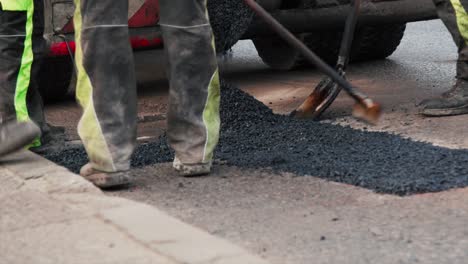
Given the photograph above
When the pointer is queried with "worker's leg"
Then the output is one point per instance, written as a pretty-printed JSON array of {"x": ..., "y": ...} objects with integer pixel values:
[
  {"x": 193, "y": 118},
  {"x": 454, "y": 102},
  {"x": 105, "y": 86},
  {"x": 34, "y": 99},
  {"x": 21, "y": 48}
]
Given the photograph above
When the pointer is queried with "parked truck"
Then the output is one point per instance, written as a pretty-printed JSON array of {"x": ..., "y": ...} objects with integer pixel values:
[{"x": 318, "y": 23}]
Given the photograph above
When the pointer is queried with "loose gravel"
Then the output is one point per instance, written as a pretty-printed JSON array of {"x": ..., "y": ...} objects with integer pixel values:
[
  {"x": 252, "y": 136},
  {"x": 230, "y": 19}
]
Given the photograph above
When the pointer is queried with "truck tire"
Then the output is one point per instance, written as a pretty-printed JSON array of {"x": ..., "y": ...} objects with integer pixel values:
[
  {"x": 371, "y": 43},
  {"x": 278, "y": 54},
  {"x": 55, "y": 78},
  {"x": 378, "y": 42},
  {"x": 230, "y": 19}
]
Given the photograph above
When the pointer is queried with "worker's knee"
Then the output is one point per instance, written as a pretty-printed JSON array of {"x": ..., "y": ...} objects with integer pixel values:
[
  {"x": 103, "y": 13},
  {"x": 183, "y": 13}
]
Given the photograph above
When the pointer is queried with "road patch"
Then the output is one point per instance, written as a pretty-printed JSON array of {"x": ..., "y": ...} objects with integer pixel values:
[{"x": 252, "y": 136}]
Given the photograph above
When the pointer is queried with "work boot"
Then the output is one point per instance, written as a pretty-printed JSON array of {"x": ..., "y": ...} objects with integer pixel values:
[
  {"x": 17, "y": 135},
  {"x": 191, "y": 170},
  {"x": 53, "y": 134},
  {"x": 452, "y": 102},
  {"x": 105, "y": 180},
  {"x": 52, "y": 140}
]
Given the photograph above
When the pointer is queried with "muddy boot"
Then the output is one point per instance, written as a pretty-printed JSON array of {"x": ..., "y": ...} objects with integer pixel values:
[
  {"x": 53, "y": 139},
  {"x": 453, "y": 102},
  {"x": 191, "y": 170},
  {"x": 17, "y": 135},
  {"x": 53, "y": 134},
  {"x": 105, "y": 180}
]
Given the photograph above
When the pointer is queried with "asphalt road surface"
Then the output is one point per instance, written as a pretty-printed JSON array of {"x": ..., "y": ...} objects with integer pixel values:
[{"x": 290, "y": 219}]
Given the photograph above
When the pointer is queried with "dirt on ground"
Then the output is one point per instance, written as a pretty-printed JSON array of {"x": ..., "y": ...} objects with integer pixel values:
[
  {"x": 290, "y": 215},
  {"x": 301, "y": 220},
  {"x": 252, "y": 136}
]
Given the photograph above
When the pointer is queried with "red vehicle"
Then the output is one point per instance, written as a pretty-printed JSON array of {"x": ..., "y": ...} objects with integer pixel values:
[{"x": 317, "y": 22}]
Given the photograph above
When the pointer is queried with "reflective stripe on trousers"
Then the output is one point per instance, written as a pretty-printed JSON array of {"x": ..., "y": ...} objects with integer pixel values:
[
  {"x": 461, "y": 17},
  {"x": 105, "y": 83},
  {"x": 194, "y": 98},
  {"x": 21, "y": 48},
  {"x": 17, "y": 5},
  {"x": 454, "y": 15}
]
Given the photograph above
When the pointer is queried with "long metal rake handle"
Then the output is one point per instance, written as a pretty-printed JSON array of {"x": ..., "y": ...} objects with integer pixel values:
[{"x": 348, "y": 35}]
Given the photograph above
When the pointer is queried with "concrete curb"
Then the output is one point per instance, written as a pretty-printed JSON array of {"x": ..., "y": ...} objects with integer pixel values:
[{"x": 50, "y": 215}]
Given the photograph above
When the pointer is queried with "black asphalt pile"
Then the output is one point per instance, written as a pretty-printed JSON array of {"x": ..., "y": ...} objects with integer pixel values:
[
  {"x": 71, "y": 158},
  {"x": 254, "y": 137},
  {"x": 230, "y": 19}
]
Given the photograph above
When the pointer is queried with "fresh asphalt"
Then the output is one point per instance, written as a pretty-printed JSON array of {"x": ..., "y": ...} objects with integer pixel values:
[{"x": 290, "y": 219}]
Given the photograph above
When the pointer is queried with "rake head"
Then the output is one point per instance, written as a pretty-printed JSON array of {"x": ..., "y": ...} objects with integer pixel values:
[
  {"x": 368, "y": 111},
  {"x": 318, "y": 101}
]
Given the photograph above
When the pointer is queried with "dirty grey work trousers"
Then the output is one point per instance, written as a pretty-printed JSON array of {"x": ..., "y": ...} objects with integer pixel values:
[
  {"x": 194, "y": 98},
  {"x": 22, "y": 48},
  {"x": 455, "y": 17},
  {"x": 105, "y": 83}
]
